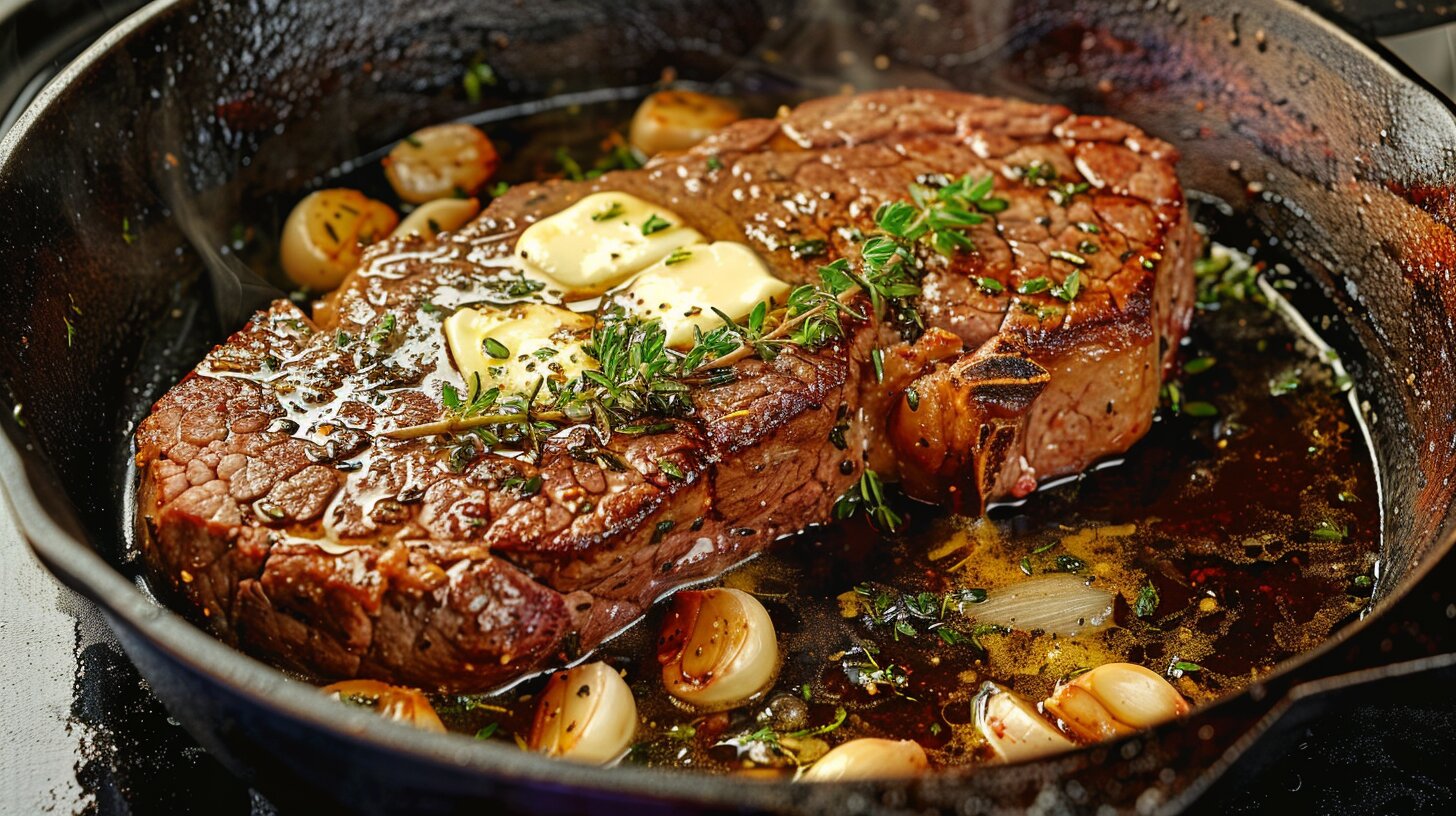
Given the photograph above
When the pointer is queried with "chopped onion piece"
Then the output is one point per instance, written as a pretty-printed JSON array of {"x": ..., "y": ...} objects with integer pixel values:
[{"x": 1057, "y": 604}]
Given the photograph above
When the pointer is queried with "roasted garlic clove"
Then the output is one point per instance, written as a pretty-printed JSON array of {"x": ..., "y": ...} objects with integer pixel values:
[
  {"x": 677, "y": 120},
  {"x": 326, "y": 234},
  {"x": 396, "y": 703},
  {"x": 1013, "y": 727},
  {"x": 585, "y": 714},
  {"x": 442, "y": 161},
  {"x": 442, "y": 215},
  {"x": 1115, "y": 699},
  {"x": 717, "y": 648},
  {"x": 869, "y": 758}
]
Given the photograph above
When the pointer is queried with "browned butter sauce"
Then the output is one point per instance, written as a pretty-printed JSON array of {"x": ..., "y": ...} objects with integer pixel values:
[{"x": 1251, "y": 515}]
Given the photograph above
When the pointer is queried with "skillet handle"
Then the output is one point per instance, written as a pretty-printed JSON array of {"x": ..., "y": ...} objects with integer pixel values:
[{"x": 1383, "y": 18}]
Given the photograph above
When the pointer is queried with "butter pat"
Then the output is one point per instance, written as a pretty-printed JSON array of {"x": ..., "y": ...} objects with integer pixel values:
[
  {"x": 602, "y": 240},
  {"x": 682, "y": 290},
  {"x": 514, "y": 347}
]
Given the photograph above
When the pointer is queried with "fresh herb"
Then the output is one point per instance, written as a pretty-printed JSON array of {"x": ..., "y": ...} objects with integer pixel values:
[
  {"x": 488, "y": 731},
  {"x": 877, "y": 359},
  {"x": 1025, "y": 565},
  {"x": 1287, "y": 384},
  {"x": 678, "y": 256},
  {"x": 126, "y": 234},
  {"x": 714, "y": 163},
  {"x": 499, "y": 189},
  {"x": 1182, "y": 667},
  {"x": 980, "y": 630},
  {"x": 1062, "y": 194},
  {"x": 1225, "y": 275},
  {"x": 1363, "y": 582},
  {"x": 1088, "y": 248},
  {"x": 1147, "y": 601},
  {"x": 382, "y": 330},
  {"x": 613, "y": 211},
  {"x": 990, "y": 286},
  {"x": 912, "y": 399},
  {"x": 670, "y": 468},
  {"x": 773, "y": 740},
  {"x": 1037, "y": 174},
  {"x": 868, "y": 494},
  {"x": 413, "y": 142},
  {"x": 1201, "y": 410},
  {"x": 654, "y": 223},
  {"x": 531, "y": 486},
  {"x": 1088, "y": 227},
  {"x": 1329, "y": 531},
  {"x": 569, "y": 165},
  {"x": 682, "y": 732},
  {"x": 1070, "y": 563},
  {"x": 477, "y": 75},
  {"x": 1070, "y": 257},
  {"x": 70, "y": 331},
  {"x": 809, "y": 248},
  {"x": 1031, "y": 287},
  {"x": 940, "y": 215},
  {"x": 862, "y": 669},
  {"x": 1069, "y": 288},
  {"x": 1198, "y": 365},
  {"x": 496, "y": 349}
]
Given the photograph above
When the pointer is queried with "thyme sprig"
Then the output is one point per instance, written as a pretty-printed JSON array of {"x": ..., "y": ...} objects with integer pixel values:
[{"x": 639, "y": 376}]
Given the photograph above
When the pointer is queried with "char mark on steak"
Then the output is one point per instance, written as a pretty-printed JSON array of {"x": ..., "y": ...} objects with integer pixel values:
[{"x": 277, "y": 510}]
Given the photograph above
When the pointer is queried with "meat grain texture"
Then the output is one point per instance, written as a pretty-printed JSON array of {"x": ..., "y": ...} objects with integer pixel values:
[{"x": 277, "y": 513}]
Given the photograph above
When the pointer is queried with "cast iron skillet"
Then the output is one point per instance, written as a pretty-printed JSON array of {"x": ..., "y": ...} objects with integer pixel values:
[{"x": 191, "y": 112}]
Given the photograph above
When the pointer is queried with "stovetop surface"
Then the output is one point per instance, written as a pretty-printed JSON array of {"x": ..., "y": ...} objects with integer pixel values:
[{"x": 80, "y": 732}]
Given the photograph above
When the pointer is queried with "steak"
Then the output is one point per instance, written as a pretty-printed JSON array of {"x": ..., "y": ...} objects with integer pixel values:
[{"x": 278, "y": 510}]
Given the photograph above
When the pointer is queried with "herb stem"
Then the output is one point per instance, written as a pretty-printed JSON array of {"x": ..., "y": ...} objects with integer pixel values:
[
  {"x": 745, "y": 349},
  {"x": 459, "y": 424}
]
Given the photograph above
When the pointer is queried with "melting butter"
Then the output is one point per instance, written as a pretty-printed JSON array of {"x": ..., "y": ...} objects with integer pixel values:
[
  {"x": 602, "y": 240},
  {"x": 682, "y": 290},
  {"x": 516, "y": 346}
]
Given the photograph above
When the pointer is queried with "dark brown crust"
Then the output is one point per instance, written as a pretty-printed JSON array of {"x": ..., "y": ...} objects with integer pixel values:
[{"x": 451, "y": 579}]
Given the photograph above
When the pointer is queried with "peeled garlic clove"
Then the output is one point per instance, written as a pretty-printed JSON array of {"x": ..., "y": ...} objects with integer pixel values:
[
  {"x": 442, "y": 161},
  {"x": 717, "y": 648},
  {"x": 677, "y": 120},
  {"x": 442, "y": 215},
  {"x": 869, "y": 759},
  {"x": 326, "y": 234},
  {"x": 1084, "y": 715},
  {"x": 1114, "y": 699},
  {"x": 585, "y": 714},
  {"x": 396, "y": 703},
  {"x": 1013, "y": 727}
]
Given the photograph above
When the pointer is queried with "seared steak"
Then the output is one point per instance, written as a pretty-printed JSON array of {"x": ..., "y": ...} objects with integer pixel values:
[{"x": 277, "y": 510}]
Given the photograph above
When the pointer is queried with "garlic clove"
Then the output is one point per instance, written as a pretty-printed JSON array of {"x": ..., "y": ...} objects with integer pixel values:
[
  {"x": 869, "y": 758},
  {"x": 1084, "y": 715},
  {"x": 677, "y": 120},
  {"x": 326, "y": 234},
  {"x": 441, "y": 215},
  {"x": 396, "y": 703},
  {"x": 442, "y": 161},
  {"x": 718, "y": 648},
  {"x": 585, "y": 714},
  {"x": 1013, "y": 727},
  {"x": 1132, "y": 695}
]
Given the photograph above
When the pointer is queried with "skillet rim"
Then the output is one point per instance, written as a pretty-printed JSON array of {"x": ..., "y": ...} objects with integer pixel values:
[{"x": 47, "y": 521}]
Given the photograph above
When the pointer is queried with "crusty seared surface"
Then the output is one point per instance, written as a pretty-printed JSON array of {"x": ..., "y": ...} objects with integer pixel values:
[{"x": 448, "y": 578}]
